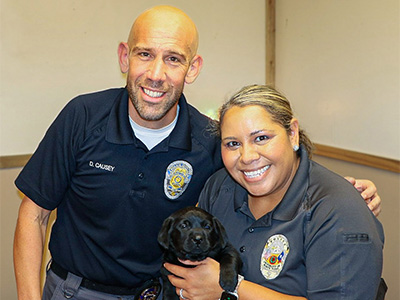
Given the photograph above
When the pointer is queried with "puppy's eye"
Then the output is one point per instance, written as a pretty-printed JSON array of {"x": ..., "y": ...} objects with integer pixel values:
[
  {"x": 184, "y": 225},
  {"x": 207, "y": 226}
]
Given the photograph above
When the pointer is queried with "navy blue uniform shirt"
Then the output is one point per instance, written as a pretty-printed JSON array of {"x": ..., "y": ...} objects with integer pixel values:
[
  {"x": 320, "y": 242},
  {"x": 111, "y": 193}
]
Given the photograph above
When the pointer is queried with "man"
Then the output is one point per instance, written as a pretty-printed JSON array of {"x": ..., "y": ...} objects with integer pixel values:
[{"x": 115, "y": 164}]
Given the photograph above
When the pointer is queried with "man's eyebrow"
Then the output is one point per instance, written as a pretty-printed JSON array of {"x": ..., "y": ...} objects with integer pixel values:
[
  {"x": 169, "y": 52},
  {"x": 136, "y": 49}
]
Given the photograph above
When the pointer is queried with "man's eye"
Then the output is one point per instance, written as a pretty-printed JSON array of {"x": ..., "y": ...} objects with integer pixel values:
[
  {"x": 173, "y": 59},
  {"x": 144, "y": 54}
]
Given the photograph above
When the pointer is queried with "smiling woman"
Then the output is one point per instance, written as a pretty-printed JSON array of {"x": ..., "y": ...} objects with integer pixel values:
[
  {"x": 258, "y": 153},
  {"x": 280, "y": 209}
]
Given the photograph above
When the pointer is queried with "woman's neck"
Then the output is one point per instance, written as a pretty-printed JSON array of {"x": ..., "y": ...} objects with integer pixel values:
[{"x": 261, "y": 205}]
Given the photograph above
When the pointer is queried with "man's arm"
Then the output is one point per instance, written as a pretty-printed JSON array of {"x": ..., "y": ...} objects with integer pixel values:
[{"x": 28, "y": 248}]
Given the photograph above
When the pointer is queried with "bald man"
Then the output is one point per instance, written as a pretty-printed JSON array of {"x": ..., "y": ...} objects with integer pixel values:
[{"x": 115, "y": 164}]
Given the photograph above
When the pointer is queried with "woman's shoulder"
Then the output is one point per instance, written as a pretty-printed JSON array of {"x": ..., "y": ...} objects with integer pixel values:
[{"x": 330, "y": 191}]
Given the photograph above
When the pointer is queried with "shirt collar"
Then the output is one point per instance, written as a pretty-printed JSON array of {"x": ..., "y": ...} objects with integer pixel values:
[{"x": 119, "y": 130}]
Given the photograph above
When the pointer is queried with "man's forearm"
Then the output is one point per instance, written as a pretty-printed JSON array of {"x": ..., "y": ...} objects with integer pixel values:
[{"x": 28, "y": 249}]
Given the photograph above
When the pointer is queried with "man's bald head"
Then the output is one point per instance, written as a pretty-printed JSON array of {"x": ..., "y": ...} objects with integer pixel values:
[{"x": 166, "y": 20}]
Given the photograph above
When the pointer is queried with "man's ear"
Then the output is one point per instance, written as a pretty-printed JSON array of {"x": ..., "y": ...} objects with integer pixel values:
[
  {"x": 194, "y": 69},
  {"x": 123, "y": 57}
]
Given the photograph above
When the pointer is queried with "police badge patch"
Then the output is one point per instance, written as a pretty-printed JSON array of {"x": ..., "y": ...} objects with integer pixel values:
[
  {"x": 177, "y": 178},
  {"x": 274, "y": 255}
]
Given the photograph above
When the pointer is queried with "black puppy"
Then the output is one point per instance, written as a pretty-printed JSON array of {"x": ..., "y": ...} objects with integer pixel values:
[{"x": 193, "y": 234}]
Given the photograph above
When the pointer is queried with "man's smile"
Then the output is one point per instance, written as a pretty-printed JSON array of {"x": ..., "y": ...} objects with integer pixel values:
[{"x": 152, "y": 94}]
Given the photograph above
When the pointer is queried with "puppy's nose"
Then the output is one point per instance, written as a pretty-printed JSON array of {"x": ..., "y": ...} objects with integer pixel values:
[{"x": 197, "y": 239}]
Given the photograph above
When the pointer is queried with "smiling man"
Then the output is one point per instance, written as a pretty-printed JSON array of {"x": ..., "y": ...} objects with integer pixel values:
[
  {"x": 159, "y": 58},
  {"x": 115, "y": 164}
]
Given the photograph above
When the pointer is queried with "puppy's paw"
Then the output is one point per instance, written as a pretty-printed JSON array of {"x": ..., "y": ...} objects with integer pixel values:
[{"x": 228, "y": 280}]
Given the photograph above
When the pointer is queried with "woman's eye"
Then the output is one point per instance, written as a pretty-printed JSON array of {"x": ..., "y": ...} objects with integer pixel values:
[
  {"x": 232, "y": 145},
  {"x": 261, "y": 138}
]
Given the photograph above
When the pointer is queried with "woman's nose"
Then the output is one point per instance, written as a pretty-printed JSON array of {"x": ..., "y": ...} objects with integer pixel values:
[{"x": 248, "y": 154}]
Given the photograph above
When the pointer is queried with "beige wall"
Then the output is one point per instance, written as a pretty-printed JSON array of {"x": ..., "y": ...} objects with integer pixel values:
[
  {"x": 339, "y": 63},
  {"x": 9, "y": 202}
]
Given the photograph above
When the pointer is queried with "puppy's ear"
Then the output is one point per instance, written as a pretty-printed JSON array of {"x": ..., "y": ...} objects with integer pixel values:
[
  {"x": 220, "y": 230},
  {"x": 164, "y": 234}
]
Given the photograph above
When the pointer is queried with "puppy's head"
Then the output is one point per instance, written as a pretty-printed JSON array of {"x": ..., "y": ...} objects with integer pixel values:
[{"x": 192, "y": 233}]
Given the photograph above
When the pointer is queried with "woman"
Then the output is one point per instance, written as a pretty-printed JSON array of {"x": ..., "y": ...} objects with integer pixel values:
[{"x": 302, "y": 230}]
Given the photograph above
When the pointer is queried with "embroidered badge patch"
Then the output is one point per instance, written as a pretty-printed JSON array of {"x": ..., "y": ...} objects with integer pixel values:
[
  {"x": 177, "y": 178},
  {"x": 274, "y": 255}
]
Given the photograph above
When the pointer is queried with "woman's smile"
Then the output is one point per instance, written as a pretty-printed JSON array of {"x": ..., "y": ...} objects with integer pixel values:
[{"x": 256, "y": 173}]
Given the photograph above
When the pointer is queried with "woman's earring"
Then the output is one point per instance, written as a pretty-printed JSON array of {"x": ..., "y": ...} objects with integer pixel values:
[{"x": 295, "y": 148}]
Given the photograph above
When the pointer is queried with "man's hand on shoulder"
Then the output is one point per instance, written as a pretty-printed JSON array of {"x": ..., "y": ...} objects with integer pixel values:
[{"x": 369, "y": 192}]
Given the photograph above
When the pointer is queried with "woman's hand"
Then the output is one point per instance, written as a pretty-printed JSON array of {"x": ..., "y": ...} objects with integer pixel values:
[
  {"x": 198, "y": 283},
  {"x": 369, "y": 192}
]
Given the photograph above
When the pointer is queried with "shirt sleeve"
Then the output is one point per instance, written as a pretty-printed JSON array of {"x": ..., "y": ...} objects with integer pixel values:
[
  {"x": 47, "y": 175},
  {"x": 343, "y": 248}
]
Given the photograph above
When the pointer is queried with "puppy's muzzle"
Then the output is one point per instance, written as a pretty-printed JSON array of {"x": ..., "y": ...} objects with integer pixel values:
[{"x": 197, "y": 238}]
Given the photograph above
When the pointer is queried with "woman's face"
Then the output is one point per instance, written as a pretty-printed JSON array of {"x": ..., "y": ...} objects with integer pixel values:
[{"x": 258, "y": 152}]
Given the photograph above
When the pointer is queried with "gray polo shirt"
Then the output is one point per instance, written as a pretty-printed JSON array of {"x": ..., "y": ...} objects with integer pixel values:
[{"x": 320, "y": 242}]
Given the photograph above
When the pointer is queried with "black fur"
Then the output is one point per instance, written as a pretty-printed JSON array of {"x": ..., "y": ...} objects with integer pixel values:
[{"x": 193, "y": 234}]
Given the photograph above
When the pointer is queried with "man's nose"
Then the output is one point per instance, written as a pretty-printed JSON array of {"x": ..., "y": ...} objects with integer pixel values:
[{"x": 157, "y": 70}]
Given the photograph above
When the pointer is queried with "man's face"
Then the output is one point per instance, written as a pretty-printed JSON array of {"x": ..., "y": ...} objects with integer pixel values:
[{"x": 159, "y": 61}]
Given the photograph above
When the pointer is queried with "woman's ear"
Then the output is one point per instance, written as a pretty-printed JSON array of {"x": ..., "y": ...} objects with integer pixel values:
[
  {"x": 194, "y": 69},
  {"x": 294, "y": 132},
  {"x": 123, "y": 57}
]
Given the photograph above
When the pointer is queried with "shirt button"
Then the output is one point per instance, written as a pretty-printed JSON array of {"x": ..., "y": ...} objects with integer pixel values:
[
  {"x": 251, "y": 229},
  {"x": 242, "y": 249},
  {"x": 141, "y": 175}
]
